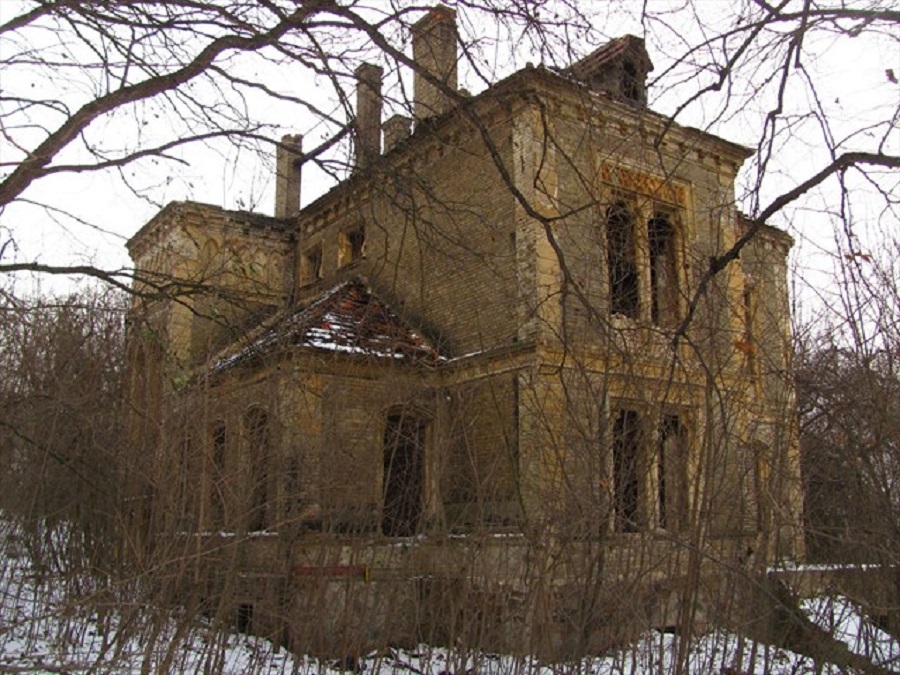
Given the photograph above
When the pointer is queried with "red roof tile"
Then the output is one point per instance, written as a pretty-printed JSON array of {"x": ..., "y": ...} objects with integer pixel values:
[{"x": 348, "y": 319}]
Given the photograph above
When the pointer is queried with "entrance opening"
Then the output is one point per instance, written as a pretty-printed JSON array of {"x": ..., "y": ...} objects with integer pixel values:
[
  {"x": 626, "y": 446},
  {"x": 244, "y": 619},
  {"x": 404, "y": 449}
]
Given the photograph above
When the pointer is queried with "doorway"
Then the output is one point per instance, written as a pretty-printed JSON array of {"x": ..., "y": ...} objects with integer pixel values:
[{"x": 404, "y": 451}]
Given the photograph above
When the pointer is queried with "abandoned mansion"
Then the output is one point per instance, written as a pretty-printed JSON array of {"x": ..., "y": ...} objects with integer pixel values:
[{"x": 486, "y": 389}]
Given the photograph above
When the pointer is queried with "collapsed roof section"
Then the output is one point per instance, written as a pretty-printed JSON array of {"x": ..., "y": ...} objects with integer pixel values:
[
  {"x": 347, "y": 319},
  {"x": 618, "y": 68}
]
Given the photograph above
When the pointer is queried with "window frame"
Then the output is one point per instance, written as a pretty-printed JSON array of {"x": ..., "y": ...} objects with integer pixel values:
[
  {"x": 650, "y": 475},
  {"x": 644, "y": 209},
  {"x": 311, "y": 264},
  {"x": 351, "y": 245}
]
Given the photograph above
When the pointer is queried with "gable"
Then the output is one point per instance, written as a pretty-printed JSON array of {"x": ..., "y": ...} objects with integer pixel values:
[{"x": 347, "y": 319}]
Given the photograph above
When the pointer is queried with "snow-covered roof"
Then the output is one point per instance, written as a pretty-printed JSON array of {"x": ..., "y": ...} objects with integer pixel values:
[{"x": 349, "y": 319}]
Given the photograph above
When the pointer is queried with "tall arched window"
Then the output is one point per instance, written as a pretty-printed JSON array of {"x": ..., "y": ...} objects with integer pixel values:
[
  {"x": 621, "y": 261},
  {"x": 626, "y": 452},
  {"x": 257, "y": 433},
  {"x": 663, "y": 270}
]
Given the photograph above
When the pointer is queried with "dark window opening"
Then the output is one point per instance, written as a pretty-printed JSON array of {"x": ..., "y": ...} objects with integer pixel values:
[
  {"x": 663, "y": 271},
  {"x": 217, "y": 482},
  {"x": 312, "y": 265},
  {"x": 631, "y": 86},
  {"x": 626, "y": 447},
  {"x": 748, "y": 343},
  {"x": 292, "y": 488},
  {"x": 256, "y": 426},
  {"x": 352, "y": 246},
  {"x": 404, "y": 449},
  {"x": 184, "y": 471},
  {"x": 623, "y": 269},
  {"x": 244, "y": 619},
  {"x": 672, "y": 473}
]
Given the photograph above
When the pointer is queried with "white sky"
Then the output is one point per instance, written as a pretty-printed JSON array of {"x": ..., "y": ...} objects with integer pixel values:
[{"x": 850, "y": 76}]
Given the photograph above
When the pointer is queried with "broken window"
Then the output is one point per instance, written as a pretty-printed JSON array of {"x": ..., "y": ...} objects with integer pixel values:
[
  {"x": 663, "y": 270},
  {"x": 311, "y": 265},
  {"x": 626, "y": 479},
  {"x": 621, "y": 262},
  {"x": 404, "y": 460},
  {"x": 671, "y": 451},
  {"x": 351, "y": 246},
  {"x": 217, "y": 478},
  {"x": 256, "y": 428}
]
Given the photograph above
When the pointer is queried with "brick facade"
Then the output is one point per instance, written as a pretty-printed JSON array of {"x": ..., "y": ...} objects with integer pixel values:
[{"x": 545, "y": 239}]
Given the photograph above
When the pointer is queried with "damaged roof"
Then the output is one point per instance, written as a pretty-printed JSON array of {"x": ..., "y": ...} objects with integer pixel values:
[
  {"x": 348, "y": 319},
  {"x": 608, "y": 52}
]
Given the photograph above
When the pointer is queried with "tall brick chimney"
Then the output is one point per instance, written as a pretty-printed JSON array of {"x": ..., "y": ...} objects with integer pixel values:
[
  {"x": 434, "y": 39},
  {"x": 368, "y": 113},
  {"x": 287, "y": 176}
]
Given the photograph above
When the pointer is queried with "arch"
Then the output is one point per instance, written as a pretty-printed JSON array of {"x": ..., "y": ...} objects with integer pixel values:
[{"x": 622, "y": 266}]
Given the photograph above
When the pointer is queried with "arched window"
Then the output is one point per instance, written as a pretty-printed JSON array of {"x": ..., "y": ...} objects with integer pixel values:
[
  {"x": 626, "y": 471},
  {"x": 663, "y": 270},
  {"x": 672, "y": 482},
  {"x": 257, "y": 433},
  {"x": 621, "y": 263}
]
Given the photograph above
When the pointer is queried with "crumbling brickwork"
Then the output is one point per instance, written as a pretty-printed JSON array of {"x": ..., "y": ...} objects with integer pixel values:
[{"x": 557, "y": 417}]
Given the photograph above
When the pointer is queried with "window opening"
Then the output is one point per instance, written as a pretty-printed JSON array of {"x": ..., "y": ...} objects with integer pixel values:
[
  {"x": 672, "y": 473},
  {"x": 244, "y": 619},
  {"x": 663, "y": 271},
  {"x": 748, "y": 343},
  {"x": 404, "y": 448},
  {"x": 217, "y": 497},
  {"x": 352, "y": 246},
  {"x": 626, "y": 446},
  {"x": 256, "y": 426},
  {"x": 623, "y": 271},
  {"x": 631, "y": 88},
  {"x": 312, "y": 265}
]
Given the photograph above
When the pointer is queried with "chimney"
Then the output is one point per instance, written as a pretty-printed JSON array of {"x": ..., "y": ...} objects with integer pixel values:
[
  {"x": 368, "y": 113},
  {"x": 287, "y": 176},
  {"x": 434, "y": 41},
  {"x": 396, "y": 130}
]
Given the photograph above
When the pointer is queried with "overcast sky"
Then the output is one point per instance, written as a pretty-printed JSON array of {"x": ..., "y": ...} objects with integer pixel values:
[{"x": 852, "y": 80}]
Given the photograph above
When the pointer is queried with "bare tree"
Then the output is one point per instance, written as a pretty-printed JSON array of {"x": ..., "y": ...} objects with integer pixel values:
[
  {"x": 61, "y": 423},
  {"x": 137, "y": 90}
]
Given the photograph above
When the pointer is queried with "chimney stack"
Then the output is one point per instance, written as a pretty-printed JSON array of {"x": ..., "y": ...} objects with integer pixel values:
[
  {"x": 434, "y": 39},
  {"x": 368, "y": 113},
  {"x": 287, "y": 176}
]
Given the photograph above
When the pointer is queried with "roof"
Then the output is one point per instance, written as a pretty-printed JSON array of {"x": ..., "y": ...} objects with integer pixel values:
[
  {"x": 206, "y": 213},
  {"x": 607, "y": 53},
  {"x": 347, "y": 319}
]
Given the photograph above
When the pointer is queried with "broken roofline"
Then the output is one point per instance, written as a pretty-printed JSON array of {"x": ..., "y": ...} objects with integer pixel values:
[
  {"x": 267, "y": 343},
  {"x": 348, "y": 318},
  {"x": 520, "y": 85}
]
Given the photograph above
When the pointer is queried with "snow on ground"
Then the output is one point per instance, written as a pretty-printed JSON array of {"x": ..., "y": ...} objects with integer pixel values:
[
  {"x": 43, "y": 631},
  {"x": 842, "y": 619}
]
